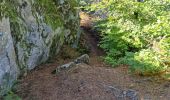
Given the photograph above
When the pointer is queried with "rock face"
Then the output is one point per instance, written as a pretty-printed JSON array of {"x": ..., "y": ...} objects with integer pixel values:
[
  {"x": 8, "y": 66},
  {"x": 32, "y": 31}
]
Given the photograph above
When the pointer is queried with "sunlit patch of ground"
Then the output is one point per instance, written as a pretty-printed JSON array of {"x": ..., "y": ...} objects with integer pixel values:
[{"x": 86, "y": 20}]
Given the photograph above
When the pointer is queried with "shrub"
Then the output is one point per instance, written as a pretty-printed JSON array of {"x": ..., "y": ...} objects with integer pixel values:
[{"x": 136, "y": 33}]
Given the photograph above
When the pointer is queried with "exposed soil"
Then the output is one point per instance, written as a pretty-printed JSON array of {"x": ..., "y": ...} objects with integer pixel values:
[{"x": 89, "y": 82}]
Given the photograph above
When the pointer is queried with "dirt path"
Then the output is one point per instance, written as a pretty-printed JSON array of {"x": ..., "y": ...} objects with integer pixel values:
[
  {"x": 97, "y": 81},
  {"x": 89, "y": 82}
]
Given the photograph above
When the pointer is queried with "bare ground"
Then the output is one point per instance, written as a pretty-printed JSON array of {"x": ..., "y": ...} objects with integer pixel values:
[{"x": 89, "y": 82}]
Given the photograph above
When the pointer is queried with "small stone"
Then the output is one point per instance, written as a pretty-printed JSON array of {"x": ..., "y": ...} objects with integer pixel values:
[
  {"x": 132, "y": 94},
  {"x": 83, "y": 59},
  {"x": 65, "y": 66},
  {"x": 1, "y": 34},
  {"x": 124, "y": 92},
  {"x": 115, "y": 91}
]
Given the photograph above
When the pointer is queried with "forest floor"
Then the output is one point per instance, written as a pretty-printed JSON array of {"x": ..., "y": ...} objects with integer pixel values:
[{"x": 96, "y": 81}]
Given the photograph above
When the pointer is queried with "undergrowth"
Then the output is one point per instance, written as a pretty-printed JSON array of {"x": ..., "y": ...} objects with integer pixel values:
[
  {"x": 11, "y": 96},
  {"x": 135, "y": 33}
]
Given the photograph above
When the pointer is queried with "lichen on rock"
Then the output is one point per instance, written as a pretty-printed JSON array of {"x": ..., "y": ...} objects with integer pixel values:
[{"x": 32, "y": 31}]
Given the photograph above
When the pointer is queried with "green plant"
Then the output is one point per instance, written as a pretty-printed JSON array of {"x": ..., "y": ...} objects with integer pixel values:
[
  {"x": 136, "y": 33},
  {"x": 11, "y": 96},
  {"x": 8, "y": 8}
]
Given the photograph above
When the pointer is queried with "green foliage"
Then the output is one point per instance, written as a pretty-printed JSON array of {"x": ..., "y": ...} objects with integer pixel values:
[
  {"x": 50, "y": 11},
  {"x": 136, "y": 33},
  {"x": 8, "y": 8},
  {"x": 145, "y": 62},
  {"x": 11, "y": 96},
  {"x": 166, "y": 76},
  {"x": 62, "y": 13}
]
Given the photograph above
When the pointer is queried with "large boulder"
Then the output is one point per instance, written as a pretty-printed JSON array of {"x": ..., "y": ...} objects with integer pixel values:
[
  {"x": 8, "y": 66},
  {"x": 32, "y": 31}
]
